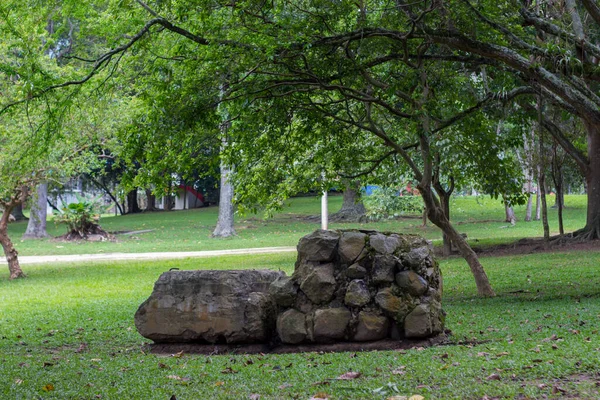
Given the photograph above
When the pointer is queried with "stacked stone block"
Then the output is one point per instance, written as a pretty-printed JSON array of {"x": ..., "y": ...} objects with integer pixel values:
[{"x": 359, "y": 286}]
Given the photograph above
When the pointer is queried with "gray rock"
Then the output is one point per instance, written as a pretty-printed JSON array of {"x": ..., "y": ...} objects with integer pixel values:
[
  {"x": 357, "y": 294},
  {"x": 350, "y": 246},
  {"x": 209, "y": 306},
  {"x": 355, "y": 271},
  {"x": 319, "y": 285},
  {"x": 383, "y": 269},
  {"x": 319, "y": 246},
  {"x": 384, "y": 244},
  {"x": 411, "y": 282},
  {"x": 291, "y": 327},
  {"x": 330, "y": 324},
  {"x": 420, "y": 324},
  {"x": 387, "y": 301},
  {"x": 438, "y": 317},
  {"x": 371, "y": 327},
  {"x": 416, "y": 256},
  {"x": 283, "y": 291}
]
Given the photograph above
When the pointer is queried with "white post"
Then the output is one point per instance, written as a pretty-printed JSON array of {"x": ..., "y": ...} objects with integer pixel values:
[{"x": 324, "y": 216}]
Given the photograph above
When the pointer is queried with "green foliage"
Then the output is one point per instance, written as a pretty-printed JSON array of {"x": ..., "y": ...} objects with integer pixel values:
[
  {"x": 81, "y": 217},
  {"x": 386, "y": 203}
]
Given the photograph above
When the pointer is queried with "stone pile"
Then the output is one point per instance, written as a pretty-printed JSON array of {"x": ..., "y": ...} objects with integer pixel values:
[
  {"x": 359, "y": 286},
  {"x": 348, "y": 286}
]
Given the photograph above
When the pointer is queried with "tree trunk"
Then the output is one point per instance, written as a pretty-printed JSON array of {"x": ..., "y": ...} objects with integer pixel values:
[
  {"x": 437, "y": 217},
  {"x": 353, "y": 208},
  {"x": 17, "y": 212},
  {"x": 9, "y": 249},
  {"x": 528, "y": 145},
  {"x": 132, "y": 203},
  {"x": 592, "y": 179},
  {"x": 538, "y": 201},
  {"x": 151, "y": 201},
  {"x": 36, "y": 228},
  {"x": 225, "y": 220},
  {"x": 528, "y": 208},
  {"x": 544, "y": 206},
  {"x": 446, "y": 241},
  {"x": 509, "y": 214}
]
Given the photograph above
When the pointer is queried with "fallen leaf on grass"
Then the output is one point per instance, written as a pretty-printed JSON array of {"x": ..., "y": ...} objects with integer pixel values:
[
  {"x": 504, "y": 353},
  {"x": 82, "y": 348},
  {"x": 320, "y": 396},
  {"x": 493, "y": 377},
  {"x": 349, "y": 376},
  {"x": 482, "y": 354},
  {"x": 399, "y": 371},
  {"x": 321, "y": 383},
  {"x": 254, "y": 396},
  {"x": 219, "y": 383},
  {"x": 558, "y": 389},
  {"x": 48, "y": 388},
  {"x": 178, "y": 355},
  {"x": 285, "y": 386},
  {"x": 175, "y": 377},
  {"x": 163, "y": 366},
  {"x": 229, "y": 370},
  {"x": 18, "y": 381}
]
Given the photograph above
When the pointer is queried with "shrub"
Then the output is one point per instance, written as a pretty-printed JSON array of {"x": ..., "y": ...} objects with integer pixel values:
[
  {"x": 82, "y": 217},
  {"x": 386, "y": 203}
]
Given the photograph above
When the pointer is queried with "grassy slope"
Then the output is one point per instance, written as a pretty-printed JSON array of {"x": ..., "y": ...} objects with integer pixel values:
[
  {"x": 71, "y": 326},
  {"x": 482, "y": 219}
]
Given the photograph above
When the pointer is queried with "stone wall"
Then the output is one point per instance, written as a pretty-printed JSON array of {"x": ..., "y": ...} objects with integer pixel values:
[
  {"x": 359, "y": 286},
  {"x": 347, "y": 286}
]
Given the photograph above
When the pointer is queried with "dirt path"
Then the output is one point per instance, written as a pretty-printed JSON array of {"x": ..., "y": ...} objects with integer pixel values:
[{"x": 147, "y": 256}]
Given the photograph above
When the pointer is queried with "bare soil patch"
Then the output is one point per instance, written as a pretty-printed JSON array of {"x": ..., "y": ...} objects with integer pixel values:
[
  {"x": 537, "y": 245},
  {"x": 214, "y": 349}
]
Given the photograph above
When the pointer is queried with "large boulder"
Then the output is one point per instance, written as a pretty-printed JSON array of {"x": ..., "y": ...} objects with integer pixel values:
[{"x": 209, "y": 306}]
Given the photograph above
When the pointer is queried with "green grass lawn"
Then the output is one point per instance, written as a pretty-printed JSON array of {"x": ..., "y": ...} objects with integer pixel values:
[
  {"x": 66, "y": 332},
  {"x": 481, "y": 218}
]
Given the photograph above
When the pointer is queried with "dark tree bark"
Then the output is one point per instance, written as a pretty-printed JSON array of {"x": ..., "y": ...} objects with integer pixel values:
[
  {"x": 132, "y": 202},
  {"x": 7, "y": 245},
  {"x": 557, "y": 177},
  {"x": 36, "y": 228},
  {"x": 17, "y": 213},
  {"x": 106, "y": 190},
  {"x": 592, "y": 179},
  {"x": 352, "y": 208},
  {"x": 151, "y": 201},
  {"x": 9, "y": 249}
]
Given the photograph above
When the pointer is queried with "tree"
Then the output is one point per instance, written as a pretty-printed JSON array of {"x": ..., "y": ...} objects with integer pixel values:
[{"x": 344, "y": 63}]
